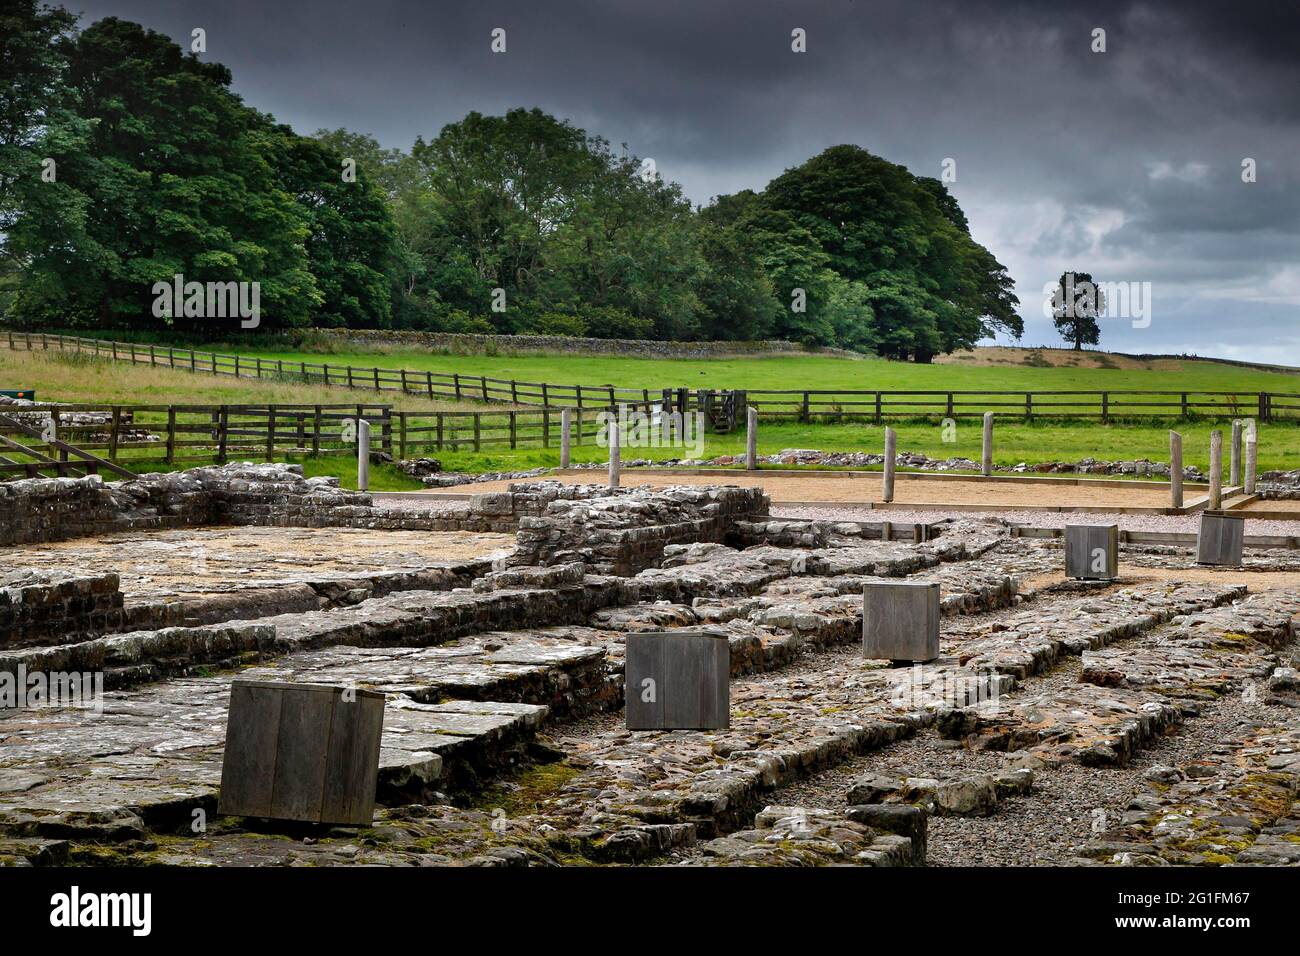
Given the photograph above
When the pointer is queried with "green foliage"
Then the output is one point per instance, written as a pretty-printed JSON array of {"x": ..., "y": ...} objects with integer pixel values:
[
  {"x": 1076, "y": 306},
  {"x": 162, "y": 170}
]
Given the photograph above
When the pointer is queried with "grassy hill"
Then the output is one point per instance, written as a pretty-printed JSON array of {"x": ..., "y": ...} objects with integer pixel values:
[{"x": 979, "y": 369}]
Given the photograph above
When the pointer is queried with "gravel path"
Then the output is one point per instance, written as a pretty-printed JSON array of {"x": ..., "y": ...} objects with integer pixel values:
[{"x": 1038, "y": 519}]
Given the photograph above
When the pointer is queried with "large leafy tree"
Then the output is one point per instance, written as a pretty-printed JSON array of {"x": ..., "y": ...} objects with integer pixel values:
[
  {"x": 1077, "y": 303},
  {"x": 929, "y": 287}
]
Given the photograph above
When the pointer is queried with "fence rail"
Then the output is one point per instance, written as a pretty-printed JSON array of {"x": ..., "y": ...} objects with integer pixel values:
[
  {"x": 138, "y": 436},
  {"x": 803, "y": 405}
]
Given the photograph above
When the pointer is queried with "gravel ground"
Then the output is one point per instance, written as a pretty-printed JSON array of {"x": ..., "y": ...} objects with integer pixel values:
[{"x": 1038, "y": 519}]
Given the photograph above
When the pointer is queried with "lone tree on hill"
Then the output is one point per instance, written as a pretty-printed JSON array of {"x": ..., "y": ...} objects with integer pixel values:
[{"x": 1076, "y": 306}]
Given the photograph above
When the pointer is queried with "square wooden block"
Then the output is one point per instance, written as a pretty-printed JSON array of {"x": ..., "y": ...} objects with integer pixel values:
[
  {"x": 301, "y": 752},
  {"x": 678, "y": 680},
  {"x": 1092, "y": 551},
  {"x": 1218, "y": 540},
  {"x": 900, "y": 620}
]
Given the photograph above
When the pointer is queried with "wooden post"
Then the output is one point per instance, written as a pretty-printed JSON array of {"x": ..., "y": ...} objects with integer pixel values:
[
  {"x": 615, "y": 462},
  {"x": 1234, "y": 455},
  {"x": 439, "y": 433},
  {"x": 751, "y": 439},
  {"x": 546, "y": 427},
  {"x": 566, "y": 435},
  {"x": 900, "y": 621},
  {"x": 513, "y": 429},
  {"x": 114, "y": 430},
  {"x": 1252, "y": 451},
  {"x": 1216, "y": 469},
  {"x": 298, "y": 751},
  {"x": 223, "y": 434},
  {"x": 171, "y": 434},
  {"x": 270, "y": 433},
  {"x": 1175, "y": 470},
  {"x": 1092, "y": 551},
  {"x": 401, "y": 435},
  {"x": 455, "y": 378},
  {"x": 478, "y": 443},
  {"x": 363, "y": 455},
  {"x": 315, "y": 431},
  {"x": 891, "y": 449},
  {"x": 986, "y": 456},
  {"x": 678, "y": 680}
]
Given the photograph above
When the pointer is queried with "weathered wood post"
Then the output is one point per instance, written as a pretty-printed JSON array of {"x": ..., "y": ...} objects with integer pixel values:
[
  {"x": 1252, "y": 456},
  {"x": 566, "y": 432},
  {"x": 1216, "y": 469},
  {"x": 306, "y": 752},
  {"x": 1175, "y": 470},
  {"x": 1219, "y": 540},
  {"x": 677, "y": 680},
  {"x": 615, "y": 461},
  {"x": 1092, "y": 551},
  {"x": 891, "y": 452},
  {"x": 363, "y": 455},
  {"x": 1234, "y": 456},
  {"x": 986, "y": 457},
  {"x": 900, "y": 621},
  {"x": 751, "y": 439}
]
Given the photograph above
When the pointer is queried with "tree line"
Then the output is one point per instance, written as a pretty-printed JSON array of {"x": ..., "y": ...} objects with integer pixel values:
[{"x": 126, "y": 161}]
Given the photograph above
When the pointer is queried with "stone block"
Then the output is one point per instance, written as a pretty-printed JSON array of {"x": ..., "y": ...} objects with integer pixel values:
[
  {"x": 306, "y": 752},
  {"x": 1219, "y": 538},
  {"x": 900, "y": 620},
  {"x": 678, "y": 680},
  {"x": 1092, "y": 551}
]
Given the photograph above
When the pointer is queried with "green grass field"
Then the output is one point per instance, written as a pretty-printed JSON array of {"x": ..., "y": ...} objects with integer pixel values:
[
  {"x": 819, "y": 372},
  {"x": 71, "y": 379}
]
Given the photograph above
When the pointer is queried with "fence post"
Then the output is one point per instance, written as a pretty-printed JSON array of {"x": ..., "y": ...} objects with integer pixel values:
[
  {"x": 377, "y": 388},
  {"x": 113, "y": 433},
  {"x": 513, "y": 443},
  {"x": 546, "y": 401},
  {"x": 891, "y": 449},
  {"x": 315, "y": 431},
  {"x": 1234, "y": 455},
  {"x": 438, "y": 423},
  {"x": 363, "y": 455},
  {"x": 171, "y": 434},
  {"x": 478, "y": 444},
  {"x": 546, "y": 427},
  {"x": 803, "y": 410},
  {"x": 1252, "y": 449},
  {"x": 401, "y": 433},
  {"x": 483, "y": 382},
  {"x": 223, "y": 432},
  {"x": 615, "y": 457},
  {"x": 751, "y": 438},
  {"x": 1029, "y": 406},
  {"x": 1216, "y": 469},
  {"x": 386, "y": 432},
  {"x": 1105, "y": 408},
  {"x": 566, "y": 422},
  {"x": 428, "y": 381},
  {"x": 1175, "y": 470},
  {"x": 455, "y": 377},
  {"x": 879, "y": 416},
  {"x": 270, "y": 433},
  {"x": 986, "y": 456}
]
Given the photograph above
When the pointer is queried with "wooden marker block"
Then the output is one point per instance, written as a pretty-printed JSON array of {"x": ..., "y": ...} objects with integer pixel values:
[
  {"x": 900, "y": 620},
  {"x": 678, "y": 680},
  {"x": 1092, "y": 551},
  {"x": 1218, "y": 540},
  {"x": 307, "y": 752}
]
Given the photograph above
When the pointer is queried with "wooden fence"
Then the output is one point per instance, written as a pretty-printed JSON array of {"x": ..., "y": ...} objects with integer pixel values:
[
  {"x": 140, "y": 436},
  {"x": 803, "y": 405}
]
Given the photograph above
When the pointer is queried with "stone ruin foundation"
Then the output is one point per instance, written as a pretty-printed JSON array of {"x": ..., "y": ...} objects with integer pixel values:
[{"x": 502, "y": 667}]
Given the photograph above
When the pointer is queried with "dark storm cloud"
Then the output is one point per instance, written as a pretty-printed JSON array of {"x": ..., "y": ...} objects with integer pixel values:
[{"x": 1126, "y": 164}]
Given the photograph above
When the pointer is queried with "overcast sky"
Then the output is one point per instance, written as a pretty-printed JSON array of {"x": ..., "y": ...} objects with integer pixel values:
[{"x": 1126, "y": 164}]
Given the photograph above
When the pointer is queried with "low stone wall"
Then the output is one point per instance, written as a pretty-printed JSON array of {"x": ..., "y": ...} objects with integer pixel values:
[
  {"x": 468, "y": 344},
  {"x": 625, "y": 530},
  {"x": 241, "y": 493},
  {"x": 43, "y": 607}
]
